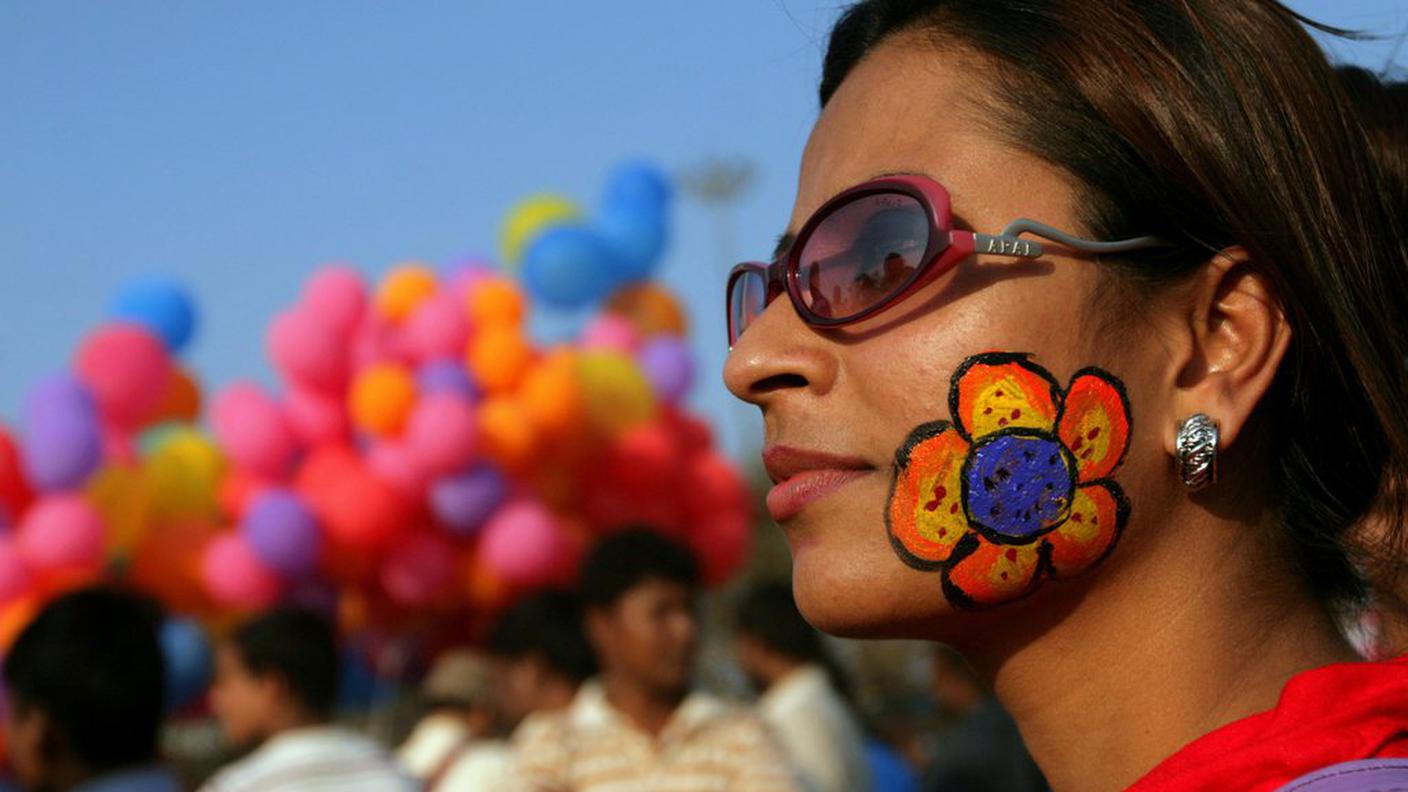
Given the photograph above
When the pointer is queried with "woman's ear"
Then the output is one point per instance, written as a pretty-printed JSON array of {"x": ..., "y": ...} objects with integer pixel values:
[{"x": 1235, "y": 335}]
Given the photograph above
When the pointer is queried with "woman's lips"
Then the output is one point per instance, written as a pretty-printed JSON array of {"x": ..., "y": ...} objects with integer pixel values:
[{"x": 802, "y": 477}]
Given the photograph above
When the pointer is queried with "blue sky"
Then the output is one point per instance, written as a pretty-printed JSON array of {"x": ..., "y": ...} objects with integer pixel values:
[{"x": 237, "y": 145}]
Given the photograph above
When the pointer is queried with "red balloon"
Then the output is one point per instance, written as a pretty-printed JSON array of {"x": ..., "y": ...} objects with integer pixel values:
[
  {"x": 15, "y": 492},
  {"x": 127, "y": 368},
  {"x": 357, "y": 508},
  {"x": 720, "y": 511},
  {"x": 419, "y": 570}
]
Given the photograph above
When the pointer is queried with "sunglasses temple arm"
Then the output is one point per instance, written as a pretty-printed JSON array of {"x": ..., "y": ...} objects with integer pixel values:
[
  {"x": 1023, "y": 226},
  {"x": 968, "y": 243}
]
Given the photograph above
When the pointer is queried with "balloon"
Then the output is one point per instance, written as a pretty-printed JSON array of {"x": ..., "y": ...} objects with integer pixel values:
[
  {"x": 62, "y": 440},
  {"x": 507, "y": 432},
  {"x": 336, "y": 297},
  {"x": 487, "y": 592},
  {"x": 463, "y": 501},
  {"x": 459, "y": 276},
  {"x": 609, "y": 332},
  {"x": 238, "y": 490},
  {"x": 61, "y": 532},
  {"x": 181, "y": 401},
  {"x": 616, "y": 395},
  {"x": 168, "y": 565},
  {"x": 307, "y": 351},
  {"x": 373, "y": 342},
  {"x": 569, "y": 267},
  {"x": 403, "y": 290},
  {"x": 236, "y": 577},
  {"x": 127, "y": 369},
  {"x": 314, "y": 419},
  {"x": 498, "y": 356},
  {"x": 188, "y": 660},
  {"x": 636, "y": 236},
  {"x": 529, "y": 218},
  {"x": 523, "y": 544},
  {"x": 162, "y": 306},
  {"x": 692, "y": 436},
  {"x": 123, "y": 497},
  {"x": 650, "y": 309},
  {"x": 551, "y": 396},
  {"x": 15, "y": 576},
  {"x": 445, "y": 376},
  {"x": 496, "y": 302},
  {"x": 721, "y": 543},
  {"x": 394, "y": 463},
  {"x": 666, "y": 362},
  {"x": 419, "y": 570},
  {"x": 183, "y": 472},
  {"x": 15, "y": 492},
  {"x": 252, "y": 430},
  {"x": 721, "y": 515},
  {"x": 441, "y": 433},
  {"x": 355, "y": 507},
  {"x": 643, "y": 460},
  {"x": 283, "y": 533},
  {"x": 439, "y": 328},
  {"x": 635, "y": 183},
  {"x": 381, "y": 399}
]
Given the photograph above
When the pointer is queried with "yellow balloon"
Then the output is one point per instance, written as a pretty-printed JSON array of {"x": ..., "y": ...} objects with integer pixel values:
[
  {"x": 123, "y": 497},
  {"x": 529, "y": 218},
  {"x": 615, "y": 394},
  {"x": 183, "y": 474}
]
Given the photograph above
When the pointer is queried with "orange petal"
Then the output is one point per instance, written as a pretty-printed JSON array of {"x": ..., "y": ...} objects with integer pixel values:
[
  {"x": 993, "y": 574},
  {"x": 925, "y": 517},
  {"x": 1098, "y": 515},
  {"x": 1000, "y": 390},
  {"x": 1095, "y": 424}
]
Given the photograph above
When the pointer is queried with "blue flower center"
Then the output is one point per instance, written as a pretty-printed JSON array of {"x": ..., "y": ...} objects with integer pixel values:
[{"x": 1019, "y": 486}]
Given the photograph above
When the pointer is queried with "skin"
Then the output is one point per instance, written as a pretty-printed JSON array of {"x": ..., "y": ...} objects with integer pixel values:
[
  {"x": 530, "y": 685},
  {"x": 1112, "y": 672},
  {"x": 39, "y": 755},
  {"x": 646, "y": 643},
  {"x": 253, "y": 707}
]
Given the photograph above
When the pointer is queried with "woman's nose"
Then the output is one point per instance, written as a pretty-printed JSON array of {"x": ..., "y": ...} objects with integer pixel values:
[{"x": 777, "y": 355}]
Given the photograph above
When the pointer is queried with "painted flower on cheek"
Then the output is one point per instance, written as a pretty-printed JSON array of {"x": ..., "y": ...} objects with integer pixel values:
[{"x": 1020, "y": 489}]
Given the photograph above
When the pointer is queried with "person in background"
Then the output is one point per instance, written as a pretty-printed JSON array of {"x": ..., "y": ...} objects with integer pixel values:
[
  {"x": 275, "y": 687},
  {"x": 982, "y": 751},
  {"x": 541, "y": 655},
  {"x": 802, "y": 691},
  {"x": 86, "y": 685},
  {"x": 456, "y": 746},
  {"x": 638, "y": 726}
]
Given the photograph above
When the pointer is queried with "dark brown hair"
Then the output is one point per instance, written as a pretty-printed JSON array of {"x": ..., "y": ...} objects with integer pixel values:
[{"x": 1214, "y": 123}]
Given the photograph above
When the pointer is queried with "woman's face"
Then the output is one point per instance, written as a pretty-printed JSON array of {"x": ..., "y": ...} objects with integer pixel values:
[{"x": 856, "y": 395}]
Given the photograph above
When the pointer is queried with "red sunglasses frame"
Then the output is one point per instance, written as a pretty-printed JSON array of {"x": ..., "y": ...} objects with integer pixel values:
[{"x": 945, "y": 249}]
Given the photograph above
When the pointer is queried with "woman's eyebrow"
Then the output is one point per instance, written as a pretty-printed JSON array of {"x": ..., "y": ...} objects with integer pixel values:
[{"x": 784, "y": 242}]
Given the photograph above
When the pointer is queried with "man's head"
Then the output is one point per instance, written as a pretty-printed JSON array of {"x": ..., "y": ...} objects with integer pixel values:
[
  {"x": 772, "y": 636},
  {"x": 461, "y": 684},
  {"x": 542, "y": 654},
  {"x": 86, "y": 684},
  {"x": 639, "y": 589},
  {"x": 277, "y": 671}
]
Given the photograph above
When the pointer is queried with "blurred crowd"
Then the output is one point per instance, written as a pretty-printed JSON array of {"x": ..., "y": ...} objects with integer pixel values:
[{"x": 590, "y": 689}]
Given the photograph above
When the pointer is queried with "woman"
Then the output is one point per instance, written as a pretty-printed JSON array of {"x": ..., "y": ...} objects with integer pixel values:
[{"x": 1113, "y": 455}]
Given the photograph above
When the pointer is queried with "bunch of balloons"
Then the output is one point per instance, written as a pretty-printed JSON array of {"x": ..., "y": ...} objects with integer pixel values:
[{"x": 420, "y": 455}]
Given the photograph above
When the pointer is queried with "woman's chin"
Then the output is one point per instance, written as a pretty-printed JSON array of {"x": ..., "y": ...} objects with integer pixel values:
[{"x": 858, "y": 595}]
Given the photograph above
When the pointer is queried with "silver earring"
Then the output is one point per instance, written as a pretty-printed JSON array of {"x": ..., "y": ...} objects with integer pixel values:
[{"x": 1196, "y": 451}]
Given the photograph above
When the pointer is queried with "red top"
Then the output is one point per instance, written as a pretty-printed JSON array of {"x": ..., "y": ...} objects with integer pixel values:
[{"x": 1339, "y": 713}]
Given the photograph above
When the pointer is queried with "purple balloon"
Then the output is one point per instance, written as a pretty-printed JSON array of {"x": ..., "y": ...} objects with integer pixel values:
[
  {"x": 464, "y": 501},
  {"x": 445, "y": 376},
  {"x": 62, "y": 440},
  {"x": 666, "y": 362},
  {"x": 283, "y": 533}
]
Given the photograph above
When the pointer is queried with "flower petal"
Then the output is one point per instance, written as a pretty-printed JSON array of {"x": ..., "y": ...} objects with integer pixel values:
[
  {"x": 1095, "y": 423},
  {"x": 925, "y": 516},
  {"x": 993, "y": 574},
  {"x": 1097, "y": 518},
  {"x": 999, "y": 390}
]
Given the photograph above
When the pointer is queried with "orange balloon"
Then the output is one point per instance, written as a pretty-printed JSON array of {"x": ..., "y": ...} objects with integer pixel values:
[
  {"x": 498, "y": 356},
  {"x": 182, "y": 399},
  {"x": 551, "y": 394},
  {"x": 496, "y": 302},
  {"x": 650, "y": 309},
  {"x": 167, "y": 565},
  {"x": 508, "y": 434},
  {"x": 403, "y": 290},
  {"x": 382, "y": 398},
  {"x": 485, "y": 589},
  {"x": 15, "y": 617}
]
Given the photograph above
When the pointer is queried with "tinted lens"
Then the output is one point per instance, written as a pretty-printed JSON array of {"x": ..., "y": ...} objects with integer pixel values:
[
  {"x": 747, "y": 297},
  {"x": 861, "y": 253}
]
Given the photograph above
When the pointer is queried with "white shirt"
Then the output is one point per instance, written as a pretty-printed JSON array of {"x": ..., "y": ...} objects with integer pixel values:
[
  {"x": 441, "y": 746},
  {"x": 317, "y": 759},
  {"x": 818, "y": 731}
]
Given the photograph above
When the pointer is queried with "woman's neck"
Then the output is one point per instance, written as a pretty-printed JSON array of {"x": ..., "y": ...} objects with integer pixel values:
[{"x": 1160, "y": 651}]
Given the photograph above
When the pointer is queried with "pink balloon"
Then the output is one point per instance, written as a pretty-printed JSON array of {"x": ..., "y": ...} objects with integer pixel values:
[
  {"x": 419, "y": 570},
  {"x": 235, "y": 576},
  {"x": 15, "y": 576},
  {"x": 524, "y": 545},
  {"x": 61, "y": 532},
  {"x": 438, "y": 329},
  {"x": 393, "y": 463},
  {"x": 119, "y": 446},
  {"x": 441, "y": 433},
  {"x": 252, "y": 430},
  {"x": 336, "y": 296},
  {"x": 373, "y": 342},
  {"x": 127, "y": 368},
  {"x": 315, "y": 419},
  {"x": 308, "y": 352},
  {"x": 613, "y": 333}
]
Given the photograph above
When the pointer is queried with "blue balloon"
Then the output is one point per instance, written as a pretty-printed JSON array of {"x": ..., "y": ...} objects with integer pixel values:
[
  {"x": 188, "y": 662},
  {"x": 569, "y": 267},
  {"x": 637, "y": 184},
  {"x": 162, "y": 305},
  {"x": 637, "y": 237}
]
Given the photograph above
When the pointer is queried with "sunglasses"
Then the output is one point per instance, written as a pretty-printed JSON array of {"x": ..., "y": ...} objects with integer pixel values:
[{"x": 874, "y": 245}]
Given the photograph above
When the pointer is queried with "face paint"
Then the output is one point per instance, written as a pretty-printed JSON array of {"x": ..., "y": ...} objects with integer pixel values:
[{"x": 1018, "y": 488}]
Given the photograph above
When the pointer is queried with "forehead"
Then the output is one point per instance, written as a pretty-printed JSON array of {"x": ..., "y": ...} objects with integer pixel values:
[{"x": 911, "y": 107}]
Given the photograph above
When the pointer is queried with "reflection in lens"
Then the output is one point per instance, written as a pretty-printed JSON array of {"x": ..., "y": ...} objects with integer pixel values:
[
  {"x": 861, "y": 253},
  {"x": 746, "y": 301}
]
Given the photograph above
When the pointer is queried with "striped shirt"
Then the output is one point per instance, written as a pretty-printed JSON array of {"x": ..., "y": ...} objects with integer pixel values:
[
  {"x": 707, "y": 746},
  {"x": 319, "y": 759}
]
